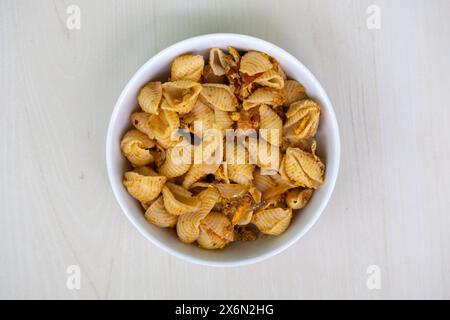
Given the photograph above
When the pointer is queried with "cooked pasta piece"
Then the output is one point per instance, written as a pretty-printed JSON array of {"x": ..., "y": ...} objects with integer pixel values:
[
  {"x": 223, "y": 120},
  {"x": 135, "y": 147},
  {"x": 271, "y": 125},
  {"x": 157, "y": 215},
  {"x": 304, "y": 168},
  {"x": 255, "y": 62},
  {"x": 187, "y": 67},
  {"x": 150, "y": 96},
  {"x": 178, "y": 200},
  {"x": 239, "y": 168},
  {"x": 201, "y": 118},
  {"x": 273, "y": 221},
  {"x": 298, "y": 198},
  {"x": 267, "y": 96},
  {"x": 220, "y": 62},
  {"x": 144, "y": 188},
  {"x": 181, "y": 95},
  {"x": 271, "y": 79},
  {"x": 302, "y": 119},
  {"x": 216, "y": 231},
  {"x": 140, "y": 121},
  {"x": 164, "y": 128},
  {"x": 188, "y": 225},
  {"x": 178, "y": 160},
  {"x": 219, "y": 96},
  {"x": 294, "y": 92}
]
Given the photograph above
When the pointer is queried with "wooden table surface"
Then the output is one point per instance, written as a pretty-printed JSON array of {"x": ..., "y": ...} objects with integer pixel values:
[{"x": 389, "y": 216}]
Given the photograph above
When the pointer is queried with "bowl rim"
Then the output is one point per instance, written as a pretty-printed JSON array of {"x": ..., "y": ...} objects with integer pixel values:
[{"x": 332, "y": 168}]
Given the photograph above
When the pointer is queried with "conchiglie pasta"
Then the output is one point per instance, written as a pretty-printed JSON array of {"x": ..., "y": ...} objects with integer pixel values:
[
  {"x": 216, "y": 231},
  {"x": 271, "y": 79},
  {"x": 150, "y": 97},
  {"x": 302, "y": 119},
  {"x": 239, "y": 168},
  {"x": 298, "y": 198},
  {"x": 187, "y": 67},
  {"x": 178, "y": 200},
  {"x": 273, "y": 221},
  {"x": 255, "y": 62},
  {"x": 219, "y": 96},
  {"x": 294, "y": 92},
  {"x": 157, "y": 215},
  {"x": 267, "y": 96},
  {"x": 304, "y": 168},
  {"x": 135, "y": 146},
  {"x": 140, "y": 121},
  {"x": 201, "y": 118},
  {"x": 220, "y": 62},
  {"x": 188, "y": 225},
  {"x": 163, "y": 127},
  {"x": 178, "y": 161},
  {"x": 223, "y": 120},
  {"x": 271, "y": 126},
  {"x": 143, "y": 188},
  {"x": 181, "y": 95}
]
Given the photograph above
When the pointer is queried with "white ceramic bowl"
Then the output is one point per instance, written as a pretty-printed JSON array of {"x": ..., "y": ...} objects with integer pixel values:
[{"x": 240, "y": 253}]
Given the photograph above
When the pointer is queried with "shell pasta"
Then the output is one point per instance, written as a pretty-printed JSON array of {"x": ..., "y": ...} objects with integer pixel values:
[{"x": 223, "y": 150}]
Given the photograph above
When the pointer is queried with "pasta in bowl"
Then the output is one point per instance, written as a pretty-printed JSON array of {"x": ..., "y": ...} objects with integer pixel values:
[{"x": 231, "y": 144}]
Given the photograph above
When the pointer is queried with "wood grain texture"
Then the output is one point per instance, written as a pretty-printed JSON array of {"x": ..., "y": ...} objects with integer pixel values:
[{"x": 390, "y": 91}]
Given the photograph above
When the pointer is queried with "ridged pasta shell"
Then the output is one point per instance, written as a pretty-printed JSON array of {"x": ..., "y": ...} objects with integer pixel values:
[
  {"x": 157, "y": 215},
  {"x": 201, "y": 118},
  {"x": 269, "y": 156},
  {"x": 143, "y": 188},
  {"x": 188, "y": 225},
  {"x": 150, "y": 96},
  {"x": 220, "y": 62},
  {"x": 230, "y": 191},
  {"x": 263, "y": 182},
  {"x": 273, "y": 221},
  {"x": 304, "y": 168},
  {"x": 164, "y": 128},
  {"x": 187, "y": 67},
  {"x": 298, "y": 198},
  {"x": 178, "y": 161},
  {"x": 271, "y": 79},
  {"x": 271, "y": 126},
  {"x": 255, "y": 62},
  {"x": 239, "y": 168},
  {"x": 216, "y": 231},
  {"x": 302, "y": 119},
  {"x": 267, "y": 96},
  {"x": 219, "y": 96},
  {"x": 178, "y": 200},
  {"x": 223, "y": 120},
  {"x": 181, "y": 95},
  {"x": 198, "y": 171},
  {"x": 294, "y": 92},
  {"x": 140, "y": 121},
  {"x": 135, "y": 147}
]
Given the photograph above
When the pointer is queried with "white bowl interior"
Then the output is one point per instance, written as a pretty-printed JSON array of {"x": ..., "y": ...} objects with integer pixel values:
[{"x": 239, "y": 253}]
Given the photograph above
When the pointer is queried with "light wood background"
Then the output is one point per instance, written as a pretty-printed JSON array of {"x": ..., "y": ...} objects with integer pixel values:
[{"x": 390, "y": 88}]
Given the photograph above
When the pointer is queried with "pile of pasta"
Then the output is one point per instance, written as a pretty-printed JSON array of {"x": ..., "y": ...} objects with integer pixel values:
[{"x": 216, "y": 204}]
